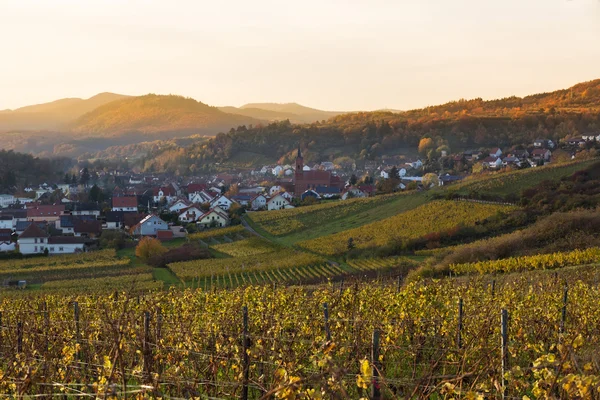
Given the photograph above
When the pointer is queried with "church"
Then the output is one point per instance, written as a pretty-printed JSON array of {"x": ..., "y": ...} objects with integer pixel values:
[{"x": 305, "y": 180}]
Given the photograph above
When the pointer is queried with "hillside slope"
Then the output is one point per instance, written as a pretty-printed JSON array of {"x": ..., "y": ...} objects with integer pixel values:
[
  {"x": 267, "y": 115},
  {"x": 305, "y": 114},
  {"x": 54, "y": 115},
  {"x": 155, "y": 114},
  {"x": 461, "y": 125}
]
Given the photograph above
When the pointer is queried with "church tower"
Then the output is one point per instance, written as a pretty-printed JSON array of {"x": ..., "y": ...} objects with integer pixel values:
[{"x": 299, "y": 162}]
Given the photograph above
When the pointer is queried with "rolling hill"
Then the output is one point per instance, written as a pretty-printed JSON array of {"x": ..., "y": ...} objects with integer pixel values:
[
  {"x": 54, "y": 115},
  {"x": 296, "y": 113},
  {"x": 152, "y": 115}
]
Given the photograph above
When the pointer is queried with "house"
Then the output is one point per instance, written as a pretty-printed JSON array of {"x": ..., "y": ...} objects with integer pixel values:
[
  {"x": 87, "y": 228},
  {"x": 310, "y": 193},
  {"x": 495, "y": 152},
  {"x": 492, "y": 162},
  {"x": 6, "y": 243},
  {"x": 277, "y": 170},
  {"x": 327, "y": 166},
  {"x": 327, "y": 192},
  {"x": 114, "y": 220},
  {"x": 353, "y": 192},
  {"x": 6, "y": 222},
  {"x": 416, "y": 164},
  {"x": 195, "y": 188},
  {"x": 242, "y": 199},
  {"x": 165, "y": 193},
  {"x": 204, "y": 196},
  {"x": 543, "y": 144},
  {"x": 541, "y": 154},
  {"x": 92, "y": 209},
  {"x": 576, "y": 141},
  {"x": 511, "y": 161},
  {"x": 21, "y": 226},
  {"x": 215, "y": 217},
  {"x": 520, "y": 154},
  {"x": 190, "y": 214},
  {"x": 258, "y": 202},
  {"x": 369, "y": 190},
  {"x": 222, "y": 202},
  {"x": 591, "y": 137},
  {"x": 149, "y": 226},
  {"x": 275, "y": 189},
  {"x": 278, "y": 202},
  {"x": 472, "y": 155},
  {"x": 125, "y": 203},
  {"x": 66, "y": 244},
  {"x": 45, "y": 213},
  {"x": 33, "y": 240},
  {"x": 6, "y": 200},
  {"x": 178, "y": 206},
  {"x": 448, "y": 179}
]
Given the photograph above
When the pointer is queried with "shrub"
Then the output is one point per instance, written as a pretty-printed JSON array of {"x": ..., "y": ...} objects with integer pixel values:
[{"x": 187, "y": 252}]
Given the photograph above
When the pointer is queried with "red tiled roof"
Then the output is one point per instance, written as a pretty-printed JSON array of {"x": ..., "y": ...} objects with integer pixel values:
[
  {"x": 33, "y": 231},
  {"x": 127, "y": 201},
  {"x": 45, "y": 211},
  {"x": 94, "y": 227},
  {"x": 196, "y": 187}
]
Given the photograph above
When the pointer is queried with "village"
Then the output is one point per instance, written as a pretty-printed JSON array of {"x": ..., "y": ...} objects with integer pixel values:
[{"x": 62, "y": 218}]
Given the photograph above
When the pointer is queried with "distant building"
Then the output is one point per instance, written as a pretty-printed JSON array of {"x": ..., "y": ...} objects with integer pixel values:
[
  {"x": 149, "y": 226},
  {"x": 125, "y": 203},
  {"x": 305, "y": 180}
]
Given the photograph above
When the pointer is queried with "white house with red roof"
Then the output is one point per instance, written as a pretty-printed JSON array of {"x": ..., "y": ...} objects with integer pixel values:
[
  {"x": 214, "y": 217},
  {"x": 190, "y": 214},
  {"x": 222, "y": 201},
  {"x": 204, "y": 196},
  {"x": 164, "y": 192},
  {"x": 125, "y": 203},
  {"x": 179, "y": 205},
  {"x": 278, "y": 202},
  {"x": 258, "y": 202}
]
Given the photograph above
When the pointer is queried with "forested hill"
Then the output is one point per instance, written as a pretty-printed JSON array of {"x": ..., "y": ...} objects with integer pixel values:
[
  {"x": 54, "y": 115},
  {"x": 155, "y": 114},
  {"x": 18, "y": 170},
  {"x": 460, "y": 125}
]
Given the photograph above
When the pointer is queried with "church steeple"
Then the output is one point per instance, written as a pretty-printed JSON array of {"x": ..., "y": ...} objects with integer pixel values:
[{"x": 299, "y": 161}]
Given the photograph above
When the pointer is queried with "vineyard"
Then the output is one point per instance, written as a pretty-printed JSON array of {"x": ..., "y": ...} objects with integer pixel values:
[
  {"x": 322, "y": 219},
  {"x": 80, "y": 267},
  {"x": 540, "y": 261},
  {"x": 439, "y": 339},
  {"x": 218, "y": 233},
  {"x": 246, "y": 247},
  {"x": 437, "y": 216},
  {"x": 513, "y": 182}
]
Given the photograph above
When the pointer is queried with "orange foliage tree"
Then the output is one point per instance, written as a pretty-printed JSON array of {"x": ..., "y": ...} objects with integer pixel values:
[{"x": 148, "y": 248}]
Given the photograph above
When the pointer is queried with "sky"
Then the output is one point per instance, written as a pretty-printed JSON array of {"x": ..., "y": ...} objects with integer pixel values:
[{"x": 335, "y": 55}]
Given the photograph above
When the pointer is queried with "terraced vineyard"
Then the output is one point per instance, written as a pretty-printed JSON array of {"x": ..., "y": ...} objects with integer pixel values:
[
  {"x": 381, "y": 264},
  {"x": 437, "y": 216},
  {"x": 142, "y": 281}
]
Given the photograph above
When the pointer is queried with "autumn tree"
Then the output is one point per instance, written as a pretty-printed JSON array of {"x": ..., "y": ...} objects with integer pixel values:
[
  {"x": 148, "y": 248},
  {"x": 430, "y": 180},
  {"x": 426, "y": 144}
]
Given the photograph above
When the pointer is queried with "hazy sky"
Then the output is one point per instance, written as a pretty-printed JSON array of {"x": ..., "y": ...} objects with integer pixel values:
[{"x": 336, "y": 55}]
